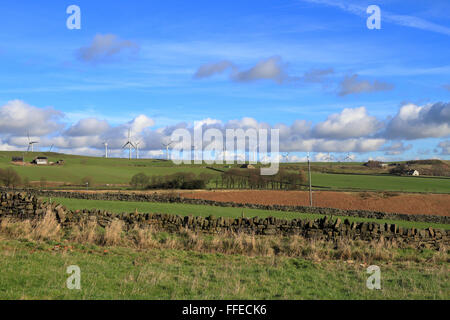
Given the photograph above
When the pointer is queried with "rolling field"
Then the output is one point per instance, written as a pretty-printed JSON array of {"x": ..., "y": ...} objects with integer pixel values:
[
  {"x": 205, "y": 211},
  {"x": 115, "y": 171},
  {"x": 382, "y": 182},
  {"x": 103, "y": 171},
  {"x": 124, "y": 273}
]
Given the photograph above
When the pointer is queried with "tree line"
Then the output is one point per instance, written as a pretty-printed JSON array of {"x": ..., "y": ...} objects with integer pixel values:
[{"x": 231, "y": 179}]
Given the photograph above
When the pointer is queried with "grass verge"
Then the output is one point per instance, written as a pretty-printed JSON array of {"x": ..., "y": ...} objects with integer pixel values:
[{"x": 205, "y": 211}]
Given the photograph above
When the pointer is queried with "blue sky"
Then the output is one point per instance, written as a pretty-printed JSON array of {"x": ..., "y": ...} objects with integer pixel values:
[{"x": 318, "y": 59}]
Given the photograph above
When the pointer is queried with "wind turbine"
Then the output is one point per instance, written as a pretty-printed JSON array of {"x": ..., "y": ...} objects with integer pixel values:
[
  {"x": 286, "y": 156},
  {"x": 348, "y": 157},
  {"x": 136, "y": 145},
  {"x": 167, "y": 145},
  {"x": 31, "y": 143},
  {"x": 129, "y": 144},
  {"x": 329, "y": 157},
  {"x": 255, "y": 154},
  {"x": 224, "y": 153},
  {"x": 106, "y": 149}
]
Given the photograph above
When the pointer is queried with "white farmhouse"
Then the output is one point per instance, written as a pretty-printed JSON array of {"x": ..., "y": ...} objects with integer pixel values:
[
  {"x": 40, "y": 161},
  {"x": 413, "y": 172}
]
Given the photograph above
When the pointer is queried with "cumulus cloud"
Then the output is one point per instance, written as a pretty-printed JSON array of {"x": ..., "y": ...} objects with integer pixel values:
[
  {"x": 104, "y": 47},
  {"x": 353, "y": 85},
  {"x": 351, "y": 130},
  {"x": 445, "y": 147},
  {"x": 210, "y": 69},
  {"x": 350, "y": 123},
  {"x": 87, "y": 127},
  {"x": 141, "y": 123},
  {"x": 18, "y": 118},
  {"x": 416, "y": 122}
]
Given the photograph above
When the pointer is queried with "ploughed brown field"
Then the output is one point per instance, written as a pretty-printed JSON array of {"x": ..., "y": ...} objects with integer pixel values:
[
  {"x": 435, "y": 204},
  {"x": 409, "y": 203}
]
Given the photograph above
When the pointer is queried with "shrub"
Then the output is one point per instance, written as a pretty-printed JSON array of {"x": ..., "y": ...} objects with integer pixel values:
[
  {"x": 140, "y": 180},
  {"x": 9, "y": 177},
  {"x": 194, "y": 184},
  {"x": 398, "y": 170}
]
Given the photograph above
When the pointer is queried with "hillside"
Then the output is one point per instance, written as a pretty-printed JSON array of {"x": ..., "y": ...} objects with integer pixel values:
[{"x": 117, "y": 173}]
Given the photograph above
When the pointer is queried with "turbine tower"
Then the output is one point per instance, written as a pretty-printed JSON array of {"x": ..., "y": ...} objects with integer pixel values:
[
  {"x": 31, "y": 143},
  {"x": 129, "y": 144},
  {"x": 167, "y": 145},
  {"x": 136, "y": 145},
  {"x": 106, "y": 149}
]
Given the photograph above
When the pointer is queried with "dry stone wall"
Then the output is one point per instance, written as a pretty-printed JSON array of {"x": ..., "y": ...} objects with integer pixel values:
[
  {"x": 155, "y": 197},
  {"x": 23, "y": 206}
]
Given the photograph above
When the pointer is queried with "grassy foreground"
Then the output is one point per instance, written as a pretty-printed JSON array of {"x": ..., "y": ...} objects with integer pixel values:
[
  {"x": 205, "y": 211},
  {"x": 37, "y": 270}
]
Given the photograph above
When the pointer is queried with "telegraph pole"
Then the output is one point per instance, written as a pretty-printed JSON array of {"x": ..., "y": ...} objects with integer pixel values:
[{"x": 310, "y": 190}]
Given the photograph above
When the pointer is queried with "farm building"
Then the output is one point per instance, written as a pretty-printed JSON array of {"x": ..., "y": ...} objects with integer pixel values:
[
  {"x": 40, "y": 160},
  {"x": 17, "y": 159},
  {"x": 412, "y": 172}
]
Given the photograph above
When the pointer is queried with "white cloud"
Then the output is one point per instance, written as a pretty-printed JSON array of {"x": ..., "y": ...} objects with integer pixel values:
[
  {"x": 350, "y": 123},
  {"x": 351, "y": 130},
  {"x": 416, "y": 122},
  {"x": 17, "y": 117},
  {"x": 88, "y": 127},
  {"x": 330, "y": 145},
  {"x": 141, "y": 123}
]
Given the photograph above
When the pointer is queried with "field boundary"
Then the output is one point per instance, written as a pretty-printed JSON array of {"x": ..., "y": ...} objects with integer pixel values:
[
  {"x": 25, "y": 206},
  {"x": 154, "y": 197}
]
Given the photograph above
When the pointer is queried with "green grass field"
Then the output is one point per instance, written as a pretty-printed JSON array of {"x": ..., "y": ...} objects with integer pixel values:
[
  {"x": 382, "y": 182},
  {"x": 103, "y": 171},
  {"x": 205, "y": 211},
  {"x": 33, "y": 270},
  {"x": 119, "y": 171}
]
